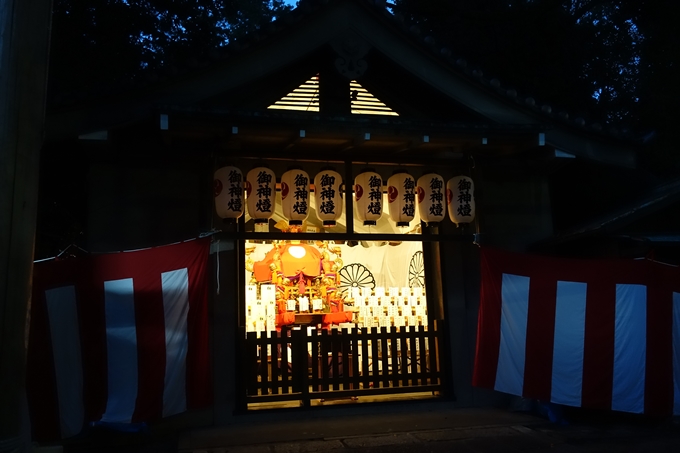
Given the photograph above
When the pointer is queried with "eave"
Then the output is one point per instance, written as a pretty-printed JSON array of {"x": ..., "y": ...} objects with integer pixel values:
[
  {"x": 611, "y": 222},
  {"x": 274, "y": 134}
]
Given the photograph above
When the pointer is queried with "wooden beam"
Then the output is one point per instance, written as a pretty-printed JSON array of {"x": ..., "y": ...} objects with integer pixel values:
[
  {"x": 333, "y": 92},
  {"x": 302, "y": 134},
  {"x": 24, "y": 44}
]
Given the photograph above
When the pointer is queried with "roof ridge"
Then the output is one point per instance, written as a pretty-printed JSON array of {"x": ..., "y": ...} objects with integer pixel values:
[{"x": 457, "y": 64}]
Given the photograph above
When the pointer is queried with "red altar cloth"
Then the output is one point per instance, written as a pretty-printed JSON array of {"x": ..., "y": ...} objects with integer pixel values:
[
  {"x": 285, "y": 318},
  {"x": 336, "y": 318},
  {"x": 328, "y": 319}
]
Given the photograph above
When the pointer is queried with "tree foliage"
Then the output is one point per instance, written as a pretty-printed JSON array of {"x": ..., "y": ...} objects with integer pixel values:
[
  {"x": 109, "y": 41},
  {"x": 610, "y": 61},
  {"x": 554, "y": 50}
]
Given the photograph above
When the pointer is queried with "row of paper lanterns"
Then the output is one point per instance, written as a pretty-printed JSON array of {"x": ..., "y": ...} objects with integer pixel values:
[{"x": 429, "y": 194}]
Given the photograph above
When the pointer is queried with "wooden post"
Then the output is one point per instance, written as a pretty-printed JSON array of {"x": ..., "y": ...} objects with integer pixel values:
[
  {"x": 230, "y": 363},
  {"x": 24, "y": 45},
  {"x": 334, "y": 96},
  {"x": 433, "y": 274}
]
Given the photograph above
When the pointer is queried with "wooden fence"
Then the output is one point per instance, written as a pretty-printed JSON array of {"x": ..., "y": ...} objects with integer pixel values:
[{"x": 305, "y": 364}]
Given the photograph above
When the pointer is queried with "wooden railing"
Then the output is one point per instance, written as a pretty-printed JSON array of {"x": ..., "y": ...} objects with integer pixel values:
[{"x": 302, "y": 364}]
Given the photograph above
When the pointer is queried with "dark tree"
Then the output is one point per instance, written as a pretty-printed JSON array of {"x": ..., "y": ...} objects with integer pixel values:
[
  {"x": 105, "y": 42},
  {"x": 538, "y": 47},
  {"x": 611, "y": 61}
]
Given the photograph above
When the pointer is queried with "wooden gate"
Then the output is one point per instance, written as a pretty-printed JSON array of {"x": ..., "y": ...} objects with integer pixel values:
[{"x": 304, "y": 364}]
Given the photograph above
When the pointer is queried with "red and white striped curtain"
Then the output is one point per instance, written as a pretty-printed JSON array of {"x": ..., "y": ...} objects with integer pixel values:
[
  {"x": 599, "y": 334},
  {"x": 118, "y": 338}
]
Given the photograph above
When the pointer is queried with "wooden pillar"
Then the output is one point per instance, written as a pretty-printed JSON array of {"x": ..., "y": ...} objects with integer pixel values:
[
  {"x": 435, "y": 298},
  {"x": 334, "y": 96},
  {"x": 433, "y": 273},
  {"x": 456, "y": 270},
  {"x": 226, "y": 304},
  {"x": 24, "y": 45}
]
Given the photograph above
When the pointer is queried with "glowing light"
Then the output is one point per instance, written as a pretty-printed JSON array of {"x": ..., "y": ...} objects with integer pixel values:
[{"x": 297, "y": 251}]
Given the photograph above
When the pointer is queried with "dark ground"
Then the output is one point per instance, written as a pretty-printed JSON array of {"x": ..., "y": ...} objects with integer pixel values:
[{"x": 432, "y": 427}]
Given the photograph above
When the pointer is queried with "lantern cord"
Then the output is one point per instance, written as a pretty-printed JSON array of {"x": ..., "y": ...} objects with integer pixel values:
[
  {"x": 72, "y": 251},
  {"x": 217, "y": 256}
]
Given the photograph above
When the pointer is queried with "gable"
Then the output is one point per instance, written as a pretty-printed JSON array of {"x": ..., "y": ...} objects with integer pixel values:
[
  {"x": 364, "y": 102},
  {"x": 305, "y": 98}
]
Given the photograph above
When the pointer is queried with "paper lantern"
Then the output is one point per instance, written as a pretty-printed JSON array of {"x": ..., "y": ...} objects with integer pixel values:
[
  {"x": 295, "y": 196},
  {"x": 328, "y": 197},
  {"x": 368, "y": 197},
  {"x": 460, "y": 197},
  {"x": 431, "y": 198},
  {"x": 260, "y": 192},
  {"x": 401, "y": 198},
  {"x": 229, "y": 195}
]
